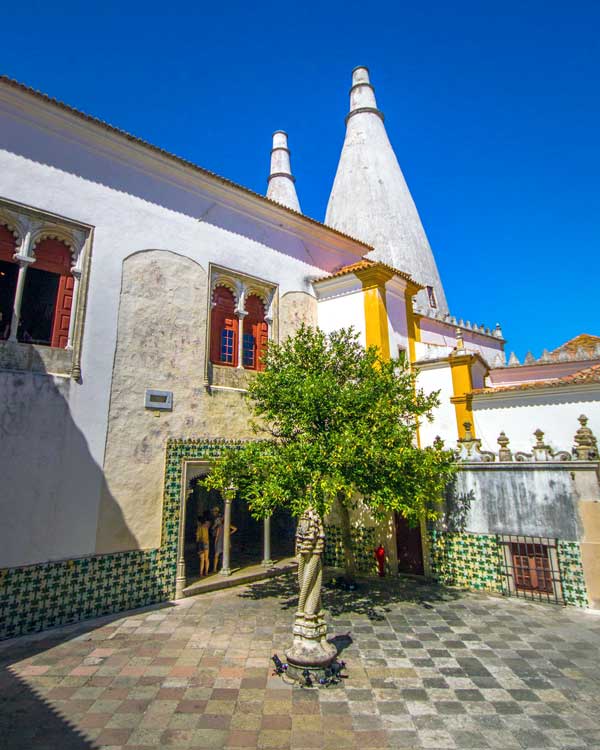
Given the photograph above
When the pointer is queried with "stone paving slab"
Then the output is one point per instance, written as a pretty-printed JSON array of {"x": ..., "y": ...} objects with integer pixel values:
[{"x": 428, "y": 668}]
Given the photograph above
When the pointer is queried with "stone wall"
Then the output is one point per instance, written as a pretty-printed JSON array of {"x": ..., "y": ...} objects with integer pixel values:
[
  {"x": 296, "y": 308},
  {"x": 160, "y": 344}
]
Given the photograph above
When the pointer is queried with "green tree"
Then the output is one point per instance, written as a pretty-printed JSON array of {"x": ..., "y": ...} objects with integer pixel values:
[{"x": 335, "y": 422}]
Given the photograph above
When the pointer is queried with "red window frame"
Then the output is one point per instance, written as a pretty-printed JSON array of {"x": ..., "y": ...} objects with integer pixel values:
[
  {"x": 531, "y": 567},
  {"x": 223, "y": 318},
  {"x": 255, "y": 326},
  {"x": 55, "y": 257}
]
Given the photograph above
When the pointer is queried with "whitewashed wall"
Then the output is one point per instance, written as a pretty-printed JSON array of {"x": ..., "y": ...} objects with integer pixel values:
[
  {"x": 441, "y": 333},
  {"x": 342, "y": 312},
  {"x": 136, "y": 201},
  {"x": 438, "y": 377},
  {"x": 552, "y": 410},
  {"x": 397, "y": 323}
]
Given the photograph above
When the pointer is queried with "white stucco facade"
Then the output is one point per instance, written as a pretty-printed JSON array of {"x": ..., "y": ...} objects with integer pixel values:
[
  {"x": 136, "y": 200},
  {"x": 520, "y": 413},
  {"x": 437, "y": 376}
]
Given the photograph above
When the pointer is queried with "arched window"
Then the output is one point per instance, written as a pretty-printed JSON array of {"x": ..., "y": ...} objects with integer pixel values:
[
  {"x": 256, "y": 334},
  {"x": 9, "y": 270},
  {"x": 224, "y": 328},
  {"x": 47, "y": 296}
]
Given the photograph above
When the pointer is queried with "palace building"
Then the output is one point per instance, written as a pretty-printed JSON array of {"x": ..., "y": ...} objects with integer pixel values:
[{"x": 137, "y": 294}]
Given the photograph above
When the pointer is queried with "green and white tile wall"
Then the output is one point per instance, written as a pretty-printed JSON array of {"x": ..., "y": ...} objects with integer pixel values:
[
  {"x": 363, "y": 545},
  {"x": 41, "y": 596},
  {"x": 474, "y": 561}
]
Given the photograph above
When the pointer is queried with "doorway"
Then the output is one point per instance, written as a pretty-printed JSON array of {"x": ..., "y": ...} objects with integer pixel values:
[
  {"x": 246, "y": 543},
  {"x": 409, "y": 547}
]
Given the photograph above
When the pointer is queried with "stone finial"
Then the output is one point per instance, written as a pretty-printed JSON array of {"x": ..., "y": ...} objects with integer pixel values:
[
  {"x": 513, "y": 359},
  {"x": 505, "y": 453},
  {"x": 545, "y": 356},
  {"x": 498, "y": 331},
  {"x": 529, "y": 359},
  {"x": 469, "y": 447},
  {"x": 586, "y": 445},
  {"x": 498, "y": 360},
  {"x": 541, "y": 451},
  {"x": 281, "y": 181}
]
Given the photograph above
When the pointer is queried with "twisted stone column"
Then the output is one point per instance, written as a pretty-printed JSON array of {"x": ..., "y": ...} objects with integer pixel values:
[{"x": 310, "y": 649}]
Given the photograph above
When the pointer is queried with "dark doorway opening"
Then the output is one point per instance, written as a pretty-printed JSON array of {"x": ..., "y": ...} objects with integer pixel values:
[
  {"x": 38, "y": 306},
  {"x": 8, "y": 285},
  {"x": 409, "y": 547},
  {"x": 247, "y": 542}
]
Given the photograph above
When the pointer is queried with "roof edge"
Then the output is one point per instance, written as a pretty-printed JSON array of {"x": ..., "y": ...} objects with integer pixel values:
[{"x": 179, "y": 160}]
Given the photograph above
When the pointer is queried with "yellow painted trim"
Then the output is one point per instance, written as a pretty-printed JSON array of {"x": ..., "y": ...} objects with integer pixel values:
[
  {"x": 462, "y": 385},
  {"x": 413, "y": 329},
  {"x": 373, "y": 281}
]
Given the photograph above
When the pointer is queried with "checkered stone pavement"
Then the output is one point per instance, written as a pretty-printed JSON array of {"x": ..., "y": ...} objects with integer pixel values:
[{"x": 428, "y": 668}]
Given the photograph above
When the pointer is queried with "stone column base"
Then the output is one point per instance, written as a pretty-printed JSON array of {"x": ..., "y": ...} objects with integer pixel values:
[{"x": 310, "y": 649}]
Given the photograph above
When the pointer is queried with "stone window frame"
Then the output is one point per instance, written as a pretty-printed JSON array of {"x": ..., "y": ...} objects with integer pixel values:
[
  {"x": 242, "y": 286},
  {"x": 30, "y": 226}
]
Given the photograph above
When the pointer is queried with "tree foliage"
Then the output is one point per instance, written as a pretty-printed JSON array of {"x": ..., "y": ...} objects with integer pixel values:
[{"x": 336, "y": 421}]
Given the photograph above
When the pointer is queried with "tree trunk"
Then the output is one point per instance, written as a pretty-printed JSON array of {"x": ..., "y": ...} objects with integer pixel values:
[{"x": 349, "y": 559}]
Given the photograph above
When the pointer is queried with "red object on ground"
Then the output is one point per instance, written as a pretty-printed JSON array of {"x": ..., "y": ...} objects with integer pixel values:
[{"x": 380, "y": 556}]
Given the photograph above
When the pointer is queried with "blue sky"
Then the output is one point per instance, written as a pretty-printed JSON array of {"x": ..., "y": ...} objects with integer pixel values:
[{"x": 492, "y": 108}]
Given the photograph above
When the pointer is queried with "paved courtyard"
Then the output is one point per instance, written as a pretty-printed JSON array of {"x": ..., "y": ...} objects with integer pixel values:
[{"x": 428, "y": 668}]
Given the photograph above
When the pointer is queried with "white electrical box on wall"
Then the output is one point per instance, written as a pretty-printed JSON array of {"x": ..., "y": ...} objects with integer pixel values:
[{"x": 161, "y": 400}]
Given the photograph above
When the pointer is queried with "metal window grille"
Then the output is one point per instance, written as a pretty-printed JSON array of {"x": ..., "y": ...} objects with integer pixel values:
[
  {"x": 227, "y": 346},
  {"x": 530, "y": 568},
  {"x": 249, "y": 350}
]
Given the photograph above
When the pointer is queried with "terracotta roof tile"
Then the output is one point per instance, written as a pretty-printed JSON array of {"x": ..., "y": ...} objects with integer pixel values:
[{"x": 362, "y": 265}]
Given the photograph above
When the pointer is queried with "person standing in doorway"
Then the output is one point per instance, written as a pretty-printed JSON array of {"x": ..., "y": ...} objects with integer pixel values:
[
  {"x": 202, "y": 540},
  {"x": 218, "y": 531}
]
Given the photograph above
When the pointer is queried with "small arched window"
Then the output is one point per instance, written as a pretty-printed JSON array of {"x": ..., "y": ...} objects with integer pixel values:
[
  {"x": 47, "y": 296},
  {"x": 9, "y": 270},
  {"x": 224, "y": 328},
  {"x": 256, "y": 334}
]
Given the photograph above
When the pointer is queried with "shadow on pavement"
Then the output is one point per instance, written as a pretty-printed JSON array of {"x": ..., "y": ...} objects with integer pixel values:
[
  {"x": 28, "y": 717},
  {"x": 373, "y": 597}
]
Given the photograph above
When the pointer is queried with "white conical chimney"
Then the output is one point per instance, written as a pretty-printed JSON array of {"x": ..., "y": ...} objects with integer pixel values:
[
  {"x": 370, "y": 199},
  {"x": 281, "y": 181}
]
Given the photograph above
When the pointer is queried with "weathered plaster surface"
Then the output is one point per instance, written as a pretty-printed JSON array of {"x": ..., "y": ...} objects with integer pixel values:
[
  {"x": 296, "y": 308},
  {"x": 160, "y": 344},
  {"x": 519, "y": 500},
  {"x": 50, "y": 480}
]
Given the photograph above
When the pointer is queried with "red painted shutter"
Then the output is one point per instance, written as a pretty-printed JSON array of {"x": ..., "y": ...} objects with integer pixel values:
[
  {"x": 54, "y": 256},
  {"x": 261, "y": 336},
  {"x": 223, "y": 318},
  {"x": 62, "y": 312},
  {"x": 256, "y": 326}
]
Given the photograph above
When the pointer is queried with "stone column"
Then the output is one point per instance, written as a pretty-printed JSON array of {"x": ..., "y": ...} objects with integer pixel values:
[
  {"x": 310, "y": 650},
  {"x": 226, "y": 563},
  {"x": 24, "y": 260},
  {"x": 241, "y": 315},
  {"x": 180, "y": 578},
  {"x": 266, "y": 561}
]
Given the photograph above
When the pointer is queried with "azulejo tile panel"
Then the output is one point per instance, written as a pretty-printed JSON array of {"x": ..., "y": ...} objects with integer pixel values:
[
  {"x": 475, "y": 561},
  {"x": 48, "y": 594},
  {"x": 571, "y": 571},
  {"x": 363, "y": 545},
  {"x": 468, "y": 560}
]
